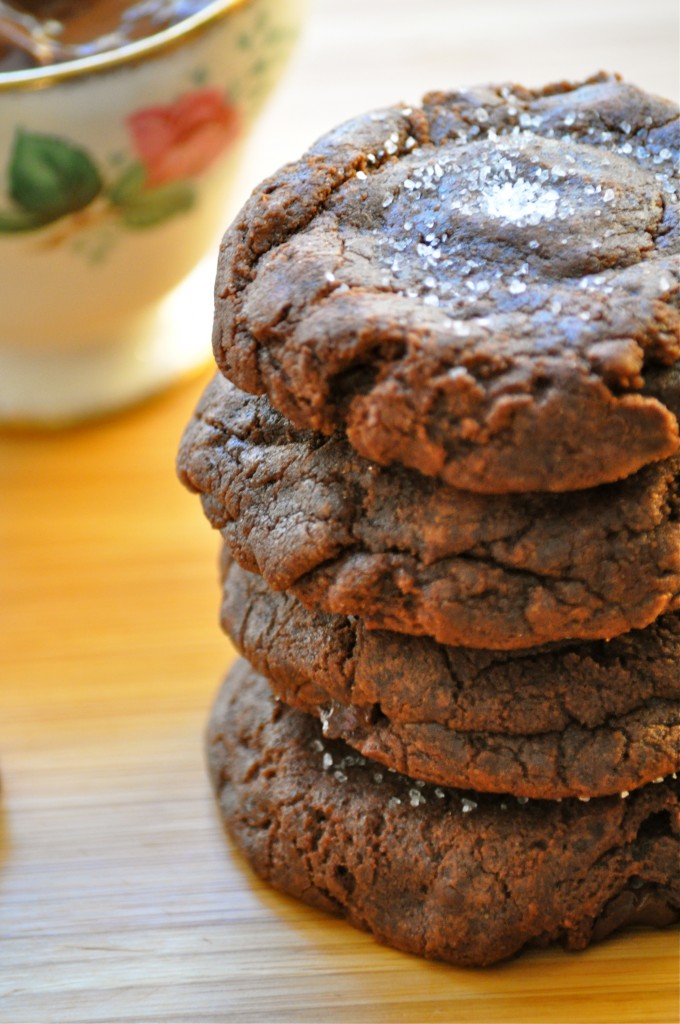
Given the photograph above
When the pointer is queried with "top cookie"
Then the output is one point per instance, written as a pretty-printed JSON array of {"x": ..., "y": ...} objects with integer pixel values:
[{"x": 485, "y": 288}]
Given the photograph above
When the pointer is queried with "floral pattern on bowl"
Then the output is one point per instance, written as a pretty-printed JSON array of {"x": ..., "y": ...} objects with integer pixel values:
[
  {"x": 50, "y": 178},
  {"x": 56, "y": 182}
]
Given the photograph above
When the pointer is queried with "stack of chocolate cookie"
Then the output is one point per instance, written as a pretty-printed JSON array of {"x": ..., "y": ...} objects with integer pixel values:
[{"x": 443, "y": 456}]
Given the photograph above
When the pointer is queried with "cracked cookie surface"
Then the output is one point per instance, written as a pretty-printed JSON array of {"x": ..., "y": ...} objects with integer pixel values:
[
  {"x": 444, "y": 873},
  {"x": 485, "y": 288},
  {"x": 408, "y": 553},
  {"x": 588, "y": 719}
]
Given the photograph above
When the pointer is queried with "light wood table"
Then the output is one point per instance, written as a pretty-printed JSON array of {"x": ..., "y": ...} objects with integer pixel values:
[{"x": 120, "y": 898}]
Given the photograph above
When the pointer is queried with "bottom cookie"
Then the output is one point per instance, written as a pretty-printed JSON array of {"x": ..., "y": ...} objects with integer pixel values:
[{"x": 448, "y": 874}]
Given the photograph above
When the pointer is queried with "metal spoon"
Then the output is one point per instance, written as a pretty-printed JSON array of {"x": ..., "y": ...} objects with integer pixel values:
[
  {"x": 38, "y": 38},
  {"x": 34, "y": 37},
  {"x": 110, "y": 24}
]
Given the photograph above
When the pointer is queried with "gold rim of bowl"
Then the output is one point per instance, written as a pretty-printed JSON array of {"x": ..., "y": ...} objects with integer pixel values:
[{"x": 132, "y": 53}]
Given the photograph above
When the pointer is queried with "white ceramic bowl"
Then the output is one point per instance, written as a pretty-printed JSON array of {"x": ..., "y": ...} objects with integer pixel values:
[{"x": 114, "y": 172}]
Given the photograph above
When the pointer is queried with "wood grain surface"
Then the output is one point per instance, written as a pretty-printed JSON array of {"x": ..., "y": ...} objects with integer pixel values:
[{"x": 121, "y": 900}]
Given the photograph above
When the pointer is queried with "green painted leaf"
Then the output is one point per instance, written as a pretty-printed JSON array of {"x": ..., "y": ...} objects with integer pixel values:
[
  {"x": 156, "y": 205},
  {"x": 50, "y": 177},
  {"x": 12, "y": 222},
  {"x": 128, "y": 186}
]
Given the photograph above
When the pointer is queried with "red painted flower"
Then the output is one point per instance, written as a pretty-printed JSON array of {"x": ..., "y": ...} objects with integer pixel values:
[{"x": 181, "y": 139}]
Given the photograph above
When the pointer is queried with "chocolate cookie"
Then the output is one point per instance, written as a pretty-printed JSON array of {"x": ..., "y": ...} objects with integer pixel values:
[
  {"x": 448, "y": 874},
  {"x": 485, "y": 288},
  {"x": 584, "y": 720},
  {"x": 409, "y": 553}
]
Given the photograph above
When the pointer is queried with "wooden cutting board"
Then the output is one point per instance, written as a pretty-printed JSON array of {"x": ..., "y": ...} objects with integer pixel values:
[{"x": 120, "y": 898}]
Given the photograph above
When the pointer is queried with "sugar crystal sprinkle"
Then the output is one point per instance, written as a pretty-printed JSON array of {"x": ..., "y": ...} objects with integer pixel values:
[
  {"x": 325, "y": 714},
  {"x": 520, "y": 178},
  {"x": 520, "y": 201}
]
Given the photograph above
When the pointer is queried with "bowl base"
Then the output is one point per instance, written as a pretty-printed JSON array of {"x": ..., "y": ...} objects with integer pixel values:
[{"x": 53, "y": 389}]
